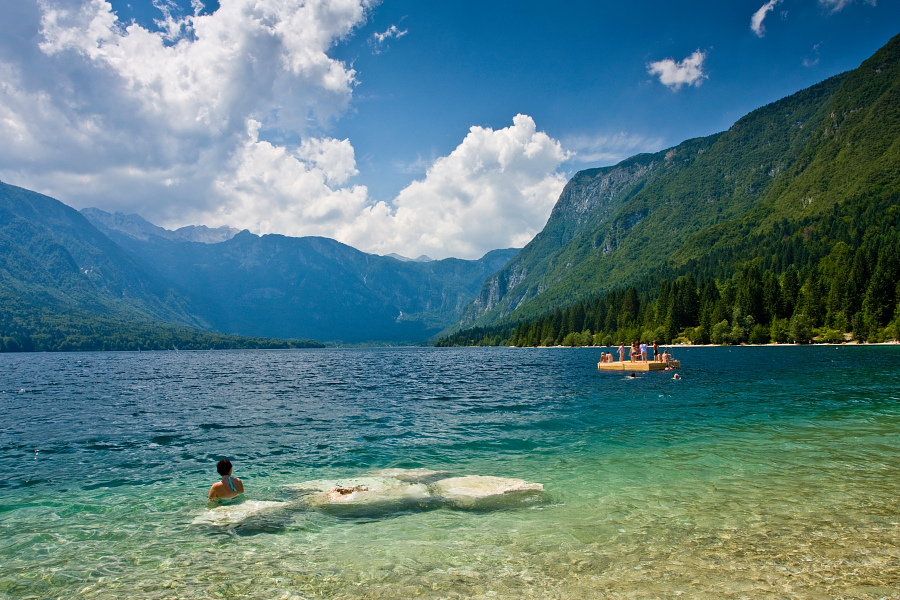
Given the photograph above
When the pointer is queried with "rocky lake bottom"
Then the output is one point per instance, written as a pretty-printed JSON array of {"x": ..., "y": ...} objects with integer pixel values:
[{"x": 763, "y": 473}]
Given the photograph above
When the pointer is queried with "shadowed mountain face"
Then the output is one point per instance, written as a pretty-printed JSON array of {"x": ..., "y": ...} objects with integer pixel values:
[
  {"x": 61, "y": 270},
  {"x": 694, "y": 208},
  {"x": 278, "y": 286},
  {"x": 53, "y": 261}
]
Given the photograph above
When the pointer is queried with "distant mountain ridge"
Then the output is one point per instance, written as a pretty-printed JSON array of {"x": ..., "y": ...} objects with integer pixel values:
[
  {"x": 71, "y": 280},
  {"x": 66, "y": 286},
  {"x": 137, "y": 227},
  {"x": 52, "y": 256},
  {"x": 308, "y": 287},
  {"x": 421, "y": 258}
]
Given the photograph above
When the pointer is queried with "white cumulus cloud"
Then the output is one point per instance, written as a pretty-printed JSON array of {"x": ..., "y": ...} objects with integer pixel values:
[
  {"x": 674, "y": 74},
  {"x": 222, "y": 119},
  {"x": 495, "y": 190},
  {"x": 273, "y": 189},
  {"x": 756, "y": 21},
  {"x": 152, "y": 121}
]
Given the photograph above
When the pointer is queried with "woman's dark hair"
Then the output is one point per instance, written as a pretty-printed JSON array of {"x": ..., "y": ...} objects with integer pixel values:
[{"x": 224, "y": 467}]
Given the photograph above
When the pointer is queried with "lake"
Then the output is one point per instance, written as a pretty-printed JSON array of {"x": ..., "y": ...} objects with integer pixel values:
[{"x": 765, "y": 472}]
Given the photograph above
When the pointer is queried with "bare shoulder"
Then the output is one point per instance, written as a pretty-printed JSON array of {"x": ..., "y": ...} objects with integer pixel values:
[{"x": 216, "y": 489}]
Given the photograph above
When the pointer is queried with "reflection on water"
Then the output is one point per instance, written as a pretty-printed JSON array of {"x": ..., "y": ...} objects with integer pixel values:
[{"x": 754, "y": 477}]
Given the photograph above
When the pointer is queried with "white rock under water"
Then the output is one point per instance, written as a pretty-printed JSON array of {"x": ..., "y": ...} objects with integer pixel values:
[
  {"x": 395, "y": 490},
  {"x": 387, "y": 492},
  {"x": 362, "y": 495},
  {"x": 484, "y": 492},
  {"x": 236, "y": 514}
]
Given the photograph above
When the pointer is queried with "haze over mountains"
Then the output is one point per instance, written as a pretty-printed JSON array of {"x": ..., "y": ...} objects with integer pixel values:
[
  {"x": 58, "y": 264},
  {"x": 804, "y": 185},
  {"x": 309, "y": 287}
]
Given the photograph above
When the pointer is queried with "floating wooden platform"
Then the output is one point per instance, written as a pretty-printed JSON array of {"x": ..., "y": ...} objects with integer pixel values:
[{"x": 637, "y": 366}]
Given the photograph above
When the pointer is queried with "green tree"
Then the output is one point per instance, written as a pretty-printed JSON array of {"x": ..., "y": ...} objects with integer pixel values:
[
  {"x": 800, "y": 329},
  {"x": 721, "y": 332},
  {"x": 631, "y": 306},
  {"x": 790, "y": 289},
  {"x": 760, "y": 334}
]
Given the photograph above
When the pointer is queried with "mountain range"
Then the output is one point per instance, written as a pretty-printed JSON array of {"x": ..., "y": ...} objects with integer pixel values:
[
  {"x": 709, "y": 206},
  {"x": 790, "y": 216},
  {"x": 66, "y": 275},
  {"x": 308, "y": 287}
]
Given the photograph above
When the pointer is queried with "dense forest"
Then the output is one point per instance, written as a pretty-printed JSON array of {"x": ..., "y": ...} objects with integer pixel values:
[
  {"x": 24, "y": 331},
  {"x": 785, "y": 228},
  {"x": 833, "y": 278},
  {"x": 784, "y": 187}
]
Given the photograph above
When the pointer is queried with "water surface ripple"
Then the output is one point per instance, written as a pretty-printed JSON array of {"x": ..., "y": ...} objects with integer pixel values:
[{"x": 764, "y": 473}]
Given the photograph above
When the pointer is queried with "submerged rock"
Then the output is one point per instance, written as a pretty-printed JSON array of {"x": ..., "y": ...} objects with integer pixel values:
[
  {"x": 390, "y": 491},
  {"x": 397, "y": 490},
  {"x": 482, "y": 492},
  {"x": 236, "y": 514},
  {"x": 362, "y": 496}
]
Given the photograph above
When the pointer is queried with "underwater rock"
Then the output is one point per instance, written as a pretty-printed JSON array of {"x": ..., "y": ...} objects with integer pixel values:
[
  {"x": 414, "y": 475},
  {"x": 235, "y": 514},
  {"x": 362, "y": 496},
  {"x": 483, "y": 492},
  {"x": 323, "y": 485},
  {"x": 397, "y": 490}
]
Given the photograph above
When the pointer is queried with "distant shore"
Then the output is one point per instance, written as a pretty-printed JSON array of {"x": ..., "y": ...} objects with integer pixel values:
[{"x": 893, "y": 343}]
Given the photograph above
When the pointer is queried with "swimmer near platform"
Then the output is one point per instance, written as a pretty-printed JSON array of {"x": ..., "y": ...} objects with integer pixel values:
[{"x": 638, "y": 366}]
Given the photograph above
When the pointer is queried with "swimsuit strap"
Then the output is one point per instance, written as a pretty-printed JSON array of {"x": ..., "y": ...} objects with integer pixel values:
[{"x": 231, "y": 483}]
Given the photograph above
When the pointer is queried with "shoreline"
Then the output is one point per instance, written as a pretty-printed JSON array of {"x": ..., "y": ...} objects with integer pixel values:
[{"x": 773, "y": 345}]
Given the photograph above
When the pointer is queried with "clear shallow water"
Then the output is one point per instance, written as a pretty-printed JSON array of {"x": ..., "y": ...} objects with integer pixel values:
[{"x": 765, "y": 472}]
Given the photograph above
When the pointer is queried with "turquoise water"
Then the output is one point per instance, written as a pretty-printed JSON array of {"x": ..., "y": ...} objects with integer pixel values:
[{"x": 764, "y": 473}]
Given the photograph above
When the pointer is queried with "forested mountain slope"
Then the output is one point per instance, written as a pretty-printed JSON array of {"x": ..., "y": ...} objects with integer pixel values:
[
  {"x": 66, "y": 286},
  {"x": 52, "y": 256},
  {"x": 808, "y": 185}
]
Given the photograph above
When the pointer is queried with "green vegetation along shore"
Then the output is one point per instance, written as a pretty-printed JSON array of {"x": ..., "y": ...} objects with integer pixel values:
[
  {"x": 784, "y": 228},
  {"x": 56, "y": 332},
  {"x": 843, "y": 289}
]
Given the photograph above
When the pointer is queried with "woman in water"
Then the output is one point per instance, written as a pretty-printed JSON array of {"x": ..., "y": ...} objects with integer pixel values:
[{"x": 230, "y": 487}]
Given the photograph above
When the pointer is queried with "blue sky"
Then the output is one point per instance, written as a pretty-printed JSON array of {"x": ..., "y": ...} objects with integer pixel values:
[
  {"x": 580, "y": 70},
  {"x": 445, "y": 129}
]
